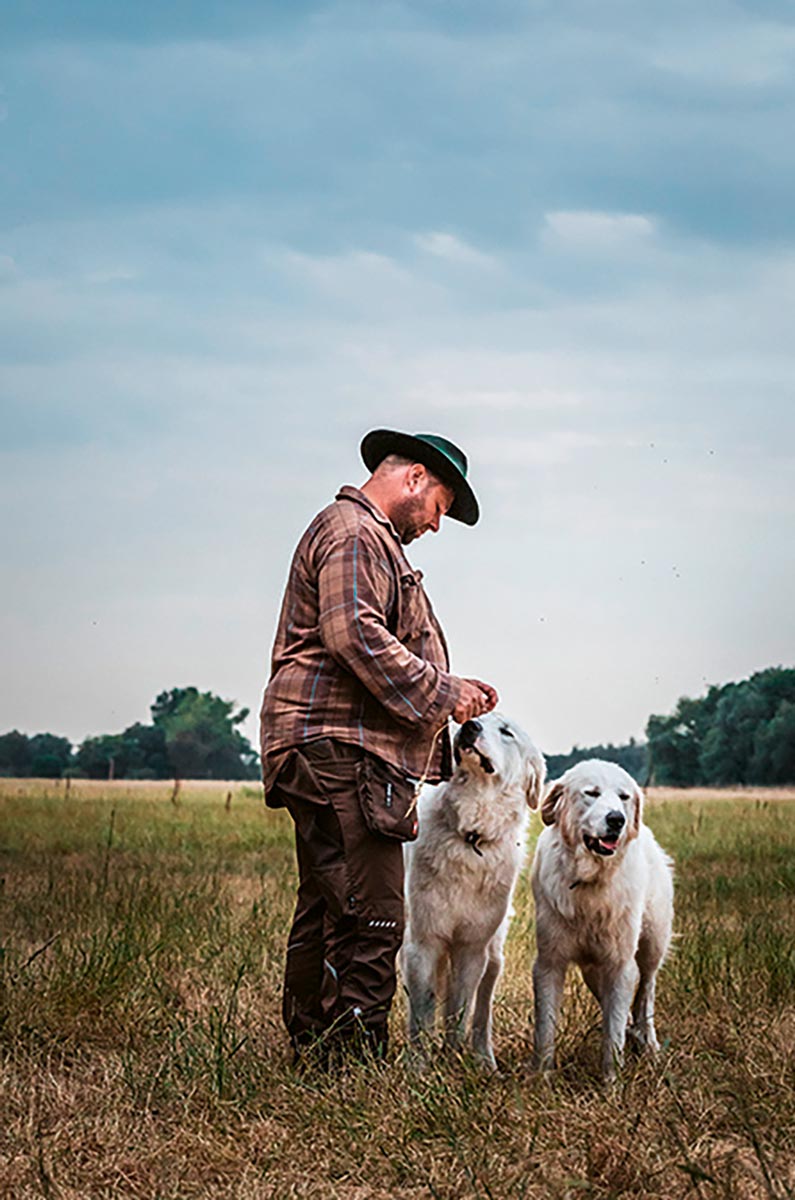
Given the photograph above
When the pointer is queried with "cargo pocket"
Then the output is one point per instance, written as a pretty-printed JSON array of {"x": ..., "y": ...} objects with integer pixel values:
[{"x": 387, "y": 800}]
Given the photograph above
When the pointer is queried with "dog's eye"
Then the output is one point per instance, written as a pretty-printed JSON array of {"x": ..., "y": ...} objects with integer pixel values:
[
  {"x": 595, "y": 792},
  {"x": 506, "y": 732},
  {"x": 623, "y": 795}
]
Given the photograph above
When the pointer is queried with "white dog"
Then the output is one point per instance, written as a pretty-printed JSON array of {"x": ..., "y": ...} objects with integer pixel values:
[
  {"x": 603, "y": 893},
  {"x": 460, "y": 876}
]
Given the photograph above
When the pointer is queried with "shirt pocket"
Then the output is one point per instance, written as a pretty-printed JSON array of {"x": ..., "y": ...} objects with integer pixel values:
[{"x": 413, "y": 623}]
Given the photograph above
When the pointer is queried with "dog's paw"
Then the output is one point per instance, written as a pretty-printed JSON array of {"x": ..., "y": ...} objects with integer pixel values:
[
  {"x": 486, "y": 1063},
  {"x": 541, "y": 1075},
  {"x": 642, "y": 1041},
  {"x": 416, "y": 1060}
]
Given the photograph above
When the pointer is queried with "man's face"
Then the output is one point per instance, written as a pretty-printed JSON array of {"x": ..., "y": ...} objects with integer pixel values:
[{"x": 422, "y": 508}]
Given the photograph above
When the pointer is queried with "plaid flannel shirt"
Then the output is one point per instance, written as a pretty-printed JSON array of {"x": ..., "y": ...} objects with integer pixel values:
[{"x": 359, "y": 654}]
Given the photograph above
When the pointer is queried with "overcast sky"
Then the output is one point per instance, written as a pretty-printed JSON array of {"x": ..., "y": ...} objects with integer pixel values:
[{"x": 234, "y": 237}]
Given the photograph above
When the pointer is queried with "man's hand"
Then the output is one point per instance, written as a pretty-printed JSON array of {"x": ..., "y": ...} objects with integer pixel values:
[{"x": 476, "y": 699}]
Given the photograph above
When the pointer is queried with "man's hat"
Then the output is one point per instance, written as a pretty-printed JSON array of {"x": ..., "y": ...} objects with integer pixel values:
[{"x": 437, "y": 454}]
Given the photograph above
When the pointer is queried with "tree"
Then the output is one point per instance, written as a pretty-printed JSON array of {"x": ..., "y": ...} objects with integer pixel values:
[
  {"x": 103, "y": 756},
  {"x": 145, "y": 752},
  {"x": 15, "y": 754},
  {"x": 44, "y": 755},
  {"x": 675, "y": 742},
  {"x": 774, "y": 748},
  {"x": 50, "y": 755},
  {"x": 193, "y": 735},
  {"x": 738, "y": 733},
  {"x": 202, "y": 738},
  {"x": 729, "y": 742},
  {"x": 632, "y": 756}
]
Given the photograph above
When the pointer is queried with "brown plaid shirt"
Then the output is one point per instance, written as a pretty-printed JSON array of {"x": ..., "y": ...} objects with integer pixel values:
[{"x": 359, "y": 654}]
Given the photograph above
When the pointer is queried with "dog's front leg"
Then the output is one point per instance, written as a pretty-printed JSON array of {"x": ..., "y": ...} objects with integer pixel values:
[
  {"x": 618, "y": 993},
  {"x": 548, "y": 979},
  {"x": 467, "y": 964},
  {"x": 650, "y": 953},
  {"x": 643, "y": 1031},
  {"x": 420, "y": 968},
  {"x": 482, "y": 1016}
]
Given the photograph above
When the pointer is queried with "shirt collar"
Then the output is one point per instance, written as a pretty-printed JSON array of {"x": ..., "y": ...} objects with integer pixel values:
[{"x": 358, "y": 497}]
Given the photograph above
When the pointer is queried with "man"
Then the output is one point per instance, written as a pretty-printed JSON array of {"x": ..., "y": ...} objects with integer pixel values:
[{"x": 355, "y": 713}]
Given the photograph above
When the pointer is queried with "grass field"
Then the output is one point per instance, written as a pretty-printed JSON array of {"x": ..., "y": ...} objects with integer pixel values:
[{"x": 142, "y": 1053}]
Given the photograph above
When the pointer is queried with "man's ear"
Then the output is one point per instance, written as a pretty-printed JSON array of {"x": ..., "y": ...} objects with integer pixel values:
[
  {"x": 416, "y": 477},
  {"x": 550, "y": 802}
]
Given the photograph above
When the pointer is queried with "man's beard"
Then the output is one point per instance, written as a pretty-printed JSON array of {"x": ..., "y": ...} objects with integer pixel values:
[{"x": 406, "y": 518}]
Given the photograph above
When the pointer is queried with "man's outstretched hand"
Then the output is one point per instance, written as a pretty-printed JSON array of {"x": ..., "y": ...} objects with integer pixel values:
[{"x": 476, "y": 699}]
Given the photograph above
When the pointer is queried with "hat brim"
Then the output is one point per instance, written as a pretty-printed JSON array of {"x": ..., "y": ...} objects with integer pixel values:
[{"x": 379, "y": 443}]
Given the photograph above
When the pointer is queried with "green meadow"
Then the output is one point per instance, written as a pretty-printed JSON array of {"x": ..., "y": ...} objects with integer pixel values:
[{"x": 142, "y": 1053}]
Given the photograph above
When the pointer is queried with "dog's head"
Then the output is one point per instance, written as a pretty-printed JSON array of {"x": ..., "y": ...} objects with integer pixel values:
[
  {"x": 496, "y": 748},
  {"x": 596, "y": 804}
]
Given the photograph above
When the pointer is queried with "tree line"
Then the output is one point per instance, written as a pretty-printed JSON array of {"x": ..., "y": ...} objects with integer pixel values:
[
  {"x": 632, "y": 756},
  {"x": 192, "y": 735},
  {"x": 738, "y": 733}
]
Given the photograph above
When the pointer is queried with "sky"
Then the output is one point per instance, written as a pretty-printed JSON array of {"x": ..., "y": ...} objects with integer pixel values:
[{"x": 235, "y": 237}]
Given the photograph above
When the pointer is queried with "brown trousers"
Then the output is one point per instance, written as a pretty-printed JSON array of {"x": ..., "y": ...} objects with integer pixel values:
[{"x": 348, "y": 923}]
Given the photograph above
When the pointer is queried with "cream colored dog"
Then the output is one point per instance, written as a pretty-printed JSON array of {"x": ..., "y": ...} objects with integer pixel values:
[
  {"x": 460, "y": 876},
  {"x": 603, "y": 893}
]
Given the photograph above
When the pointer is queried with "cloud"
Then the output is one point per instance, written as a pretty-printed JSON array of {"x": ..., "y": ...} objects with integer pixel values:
[
  {"x": 740, "y": 57},
  {"x": 553, "y": 448},
  {"x": 360, "y": 120},
  {"x": 347, "y": 273},
  {"x": 562, "y": 238},
  {"x": 447, "y": 396},
  {"x": 107, "y": 275},
  {"x": 452, "y": 249},
  {"x": 599, "y": 231}
]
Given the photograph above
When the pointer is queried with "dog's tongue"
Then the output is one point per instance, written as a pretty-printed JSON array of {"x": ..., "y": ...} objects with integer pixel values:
[{"x": 608, "y": 845}]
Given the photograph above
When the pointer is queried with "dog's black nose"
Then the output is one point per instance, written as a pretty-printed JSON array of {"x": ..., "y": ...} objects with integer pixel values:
[
  {"x": 468, "y": 733},
  {"x": 615, "y": 821}
]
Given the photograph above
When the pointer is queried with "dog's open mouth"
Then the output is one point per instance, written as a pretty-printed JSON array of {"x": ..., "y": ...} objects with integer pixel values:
[
  {"x": 604, "y": 846},
  {"x": 485, "y": 763}
]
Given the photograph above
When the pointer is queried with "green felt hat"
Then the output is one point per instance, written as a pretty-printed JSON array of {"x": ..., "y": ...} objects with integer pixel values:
[{"x": 437, "y": 454}]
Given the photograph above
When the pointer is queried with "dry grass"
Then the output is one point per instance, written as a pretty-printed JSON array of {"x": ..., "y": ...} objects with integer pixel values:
[
  {"x": 142, "y": 1055},
  {"x": 762, "y": 795}
]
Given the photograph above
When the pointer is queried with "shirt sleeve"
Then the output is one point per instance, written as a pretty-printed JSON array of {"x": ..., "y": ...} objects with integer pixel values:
[{"x": 355, "y": 585}]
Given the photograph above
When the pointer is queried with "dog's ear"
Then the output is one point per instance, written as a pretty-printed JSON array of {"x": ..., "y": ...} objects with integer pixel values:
[
  {"x": 536, "y": 773},
  {"x": 550, "y": 802},
  {"x": 637, "y": 812}
]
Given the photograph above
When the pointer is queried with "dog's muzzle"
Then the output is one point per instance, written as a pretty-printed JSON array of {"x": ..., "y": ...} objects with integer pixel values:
[
  {"x": 468, "y": 734},
  {"x": 607, "y": 844},
  {"x": 466, "y": 743}
]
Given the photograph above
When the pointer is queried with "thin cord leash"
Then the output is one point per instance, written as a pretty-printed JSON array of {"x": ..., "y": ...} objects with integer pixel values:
[
  {"x": 420, "y": 784},
  {"x": 473, "y": 838}
]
